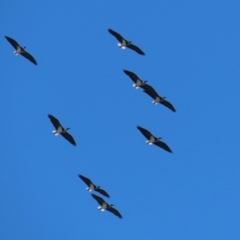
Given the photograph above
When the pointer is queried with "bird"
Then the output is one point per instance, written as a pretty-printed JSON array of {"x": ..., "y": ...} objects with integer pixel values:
[
  {"x": 125, "y": 43},
  {"x": 21, "y": 50},
  {"x": 61, "y": 130},
  {"x": 137, "y": 81},
  {"x": 105, "y": 206},
  {"x": 92, "y": 186},
  {"x": 157, "y": 99},
  {"x": 153, "y": 140}
]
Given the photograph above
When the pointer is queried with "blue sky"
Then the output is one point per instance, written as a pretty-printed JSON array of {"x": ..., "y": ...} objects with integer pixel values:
[{"x": 192, "y": 58}]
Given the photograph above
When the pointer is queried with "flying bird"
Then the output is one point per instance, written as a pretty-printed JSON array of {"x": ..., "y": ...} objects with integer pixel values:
[
  {"x": 105, "y": 206},
  {"x": 123, "y": 43},
  {"x": 137, "y": 81},
  {"x": 92, "y": 186},
  {"x": 153, "y": 140},
  {"x": 157, "y": 99},
  {"x": 61, "y": 130},
  {"x": 21, "y": 50}
]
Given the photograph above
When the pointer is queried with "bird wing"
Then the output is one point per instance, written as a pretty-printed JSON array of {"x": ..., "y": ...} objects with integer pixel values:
[
  {"x": 54, "y": 121},
  {"x": 147, "y": 87},
  {"x": 98, "y": 199},
  {"x": 67, "y": 136},
  {"x": 29, "y": 57},
  {"x": 169, "y": 105},
  {"x": 136, "y": 49},
  {"x": 145, "y": 132},
  {"x": 12, "y": 42},
  {"x": 163, "y": 145},
  {"x": 132, "y": 75},
  {"x": 116, "y": 35},
  {"x": 151, "y": 92},
  {"x": 86, "y": 180},
  {"x": 114, "y": 211},
  {"x": 104, "y": 193}
]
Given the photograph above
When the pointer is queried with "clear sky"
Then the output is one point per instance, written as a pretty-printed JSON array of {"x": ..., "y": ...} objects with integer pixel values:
[{"x": 192, "y": 58}]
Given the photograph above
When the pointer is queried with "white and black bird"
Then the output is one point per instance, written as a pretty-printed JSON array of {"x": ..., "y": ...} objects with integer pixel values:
[
  {"x": 153, "y": 140},
  {"x": 21, "y": 50},
  {"x": 105, "y": 206},
  {"x": 60, "y": 130},
  {"x": 157, "y": 99},
  {"x": 123, "y": 43},
  {"x": 92, "y": 186},
  {"x": 137, "y": 81}
]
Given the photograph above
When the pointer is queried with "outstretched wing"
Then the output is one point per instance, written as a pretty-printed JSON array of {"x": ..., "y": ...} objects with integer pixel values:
[
  {"x": 104, "y": 193},
  {"x": 168, "y": 105},
  {"x": 147, "y": 87},
  {"x": 132, "y": 75},
  {"x": 136, "y": 49},
  {"x": 114, "y": 211},
  {"x": 163, "y": 145},
  {"x": 12, "y": 42},
  {"x": 116, "y": 35},
  {"x": 29, "y": 57},
  {"x": 98, "y": 199},
  {"x": 145, "y": 132},
  {"x": 54, "y": 121},
  {"x": 69, "y": 137},
  {"x": 86, "y": 180},
  {"x": 151, "y": 92}
]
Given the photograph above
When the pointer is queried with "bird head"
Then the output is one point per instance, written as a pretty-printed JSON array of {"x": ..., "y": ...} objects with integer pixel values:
[
  {"x": 160, "y": 138},
  {"x": 145, "y": 81},
  {"x": 67, "y": 129}
]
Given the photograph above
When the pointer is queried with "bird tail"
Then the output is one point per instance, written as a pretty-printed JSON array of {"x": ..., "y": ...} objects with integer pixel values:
[{"x": 55, "y": 133}]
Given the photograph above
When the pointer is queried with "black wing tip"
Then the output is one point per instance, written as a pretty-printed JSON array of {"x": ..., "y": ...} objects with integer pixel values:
[
  {"x": 106, "y": 195},
  {"x": 169, "y": 150},
  {"x": 73, "y": 143},
  {"x": 8, "y": 38},
  {"x": 95, "y": 196}
]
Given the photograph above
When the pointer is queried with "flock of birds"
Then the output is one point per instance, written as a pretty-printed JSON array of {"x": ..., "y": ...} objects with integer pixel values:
[{"x": 59, "y": 129}]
